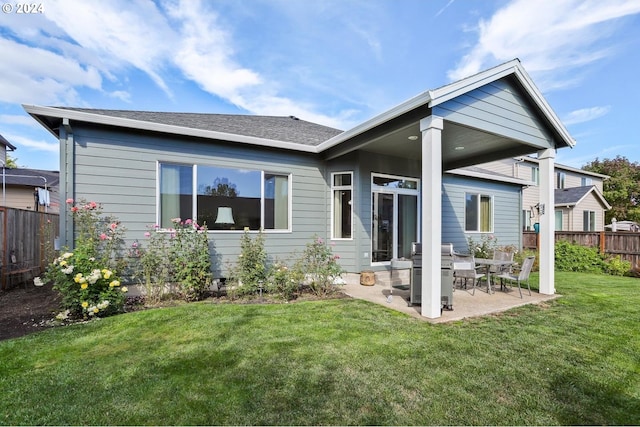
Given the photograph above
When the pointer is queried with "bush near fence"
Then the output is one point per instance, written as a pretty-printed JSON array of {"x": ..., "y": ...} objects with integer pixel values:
[{"x": 623, "y": 244}]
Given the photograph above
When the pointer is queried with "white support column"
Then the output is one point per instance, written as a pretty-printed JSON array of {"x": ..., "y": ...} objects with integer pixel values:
[
  {"x": 431, "y": 238},
  {"x": 547, "y": 221}
]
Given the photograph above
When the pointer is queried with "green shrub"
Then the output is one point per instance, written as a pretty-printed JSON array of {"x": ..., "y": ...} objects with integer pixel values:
[
  {"x": 283, "y": 281},
  {"x": 178, "y": 256},
  {"x": 87, "y": 277},
  {"x": 484, "y": 248},
  {"x": 191, "y": 259},
  {"x": 616, "y": 266},
  {"x": 250, "y": 272},
  {"x": 572, "y": 257},
  {"x": 319, "y": 267}
]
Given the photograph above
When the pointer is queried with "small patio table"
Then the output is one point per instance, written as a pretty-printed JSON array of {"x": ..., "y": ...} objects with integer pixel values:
[{"x": 488, "y": 263}]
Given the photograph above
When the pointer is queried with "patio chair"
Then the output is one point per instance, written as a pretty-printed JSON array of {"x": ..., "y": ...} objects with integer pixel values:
[
  {"x": 501, "y": 256},
  {"x": 464, "y": 268},
  {"x": 522, "y": 276}
]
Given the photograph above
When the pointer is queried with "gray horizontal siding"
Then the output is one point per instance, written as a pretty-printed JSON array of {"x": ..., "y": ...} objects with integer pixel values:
[
  {"x": 497, "y": 108},
  {"x": 506, "y": 210},
  {"x": 118, "y": 170}
]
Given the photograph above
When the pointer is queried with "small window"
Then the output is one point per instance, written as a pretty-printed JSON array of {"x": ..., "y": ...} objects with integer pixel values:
[
  {"x": 526, "y": 220},
  {"x": 535, "y": 174},
  {"x": 342, "y": 196},
  {"x": 558, "y": 214},
  {"x": 176, "y": 193},
  {"x": 561, "y": 178},
  {"x": 586, "y": 181},
  {"x": 478, "y": 213},
  {"x": 588, "y": 221}
]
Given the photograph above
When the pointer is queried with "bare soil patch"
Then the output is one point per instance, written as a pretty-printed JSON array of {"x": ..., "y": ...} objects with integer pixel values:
[{"x": 27, "y": 309}]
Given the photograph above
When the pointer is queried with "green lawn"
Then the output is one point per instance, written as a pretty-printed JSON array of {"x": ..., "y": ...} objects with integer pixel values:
[{"x": 575, "y": 360}]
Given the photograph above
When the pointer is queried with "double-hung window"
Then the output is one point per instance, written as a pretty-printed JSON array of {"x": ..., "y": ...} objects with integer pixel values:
[
  {"x": 224, "y": 198},
  {"x": 342, "y": 196},
  {"x": 588, "y": 221},
  {"x": 478, "y": 213}
]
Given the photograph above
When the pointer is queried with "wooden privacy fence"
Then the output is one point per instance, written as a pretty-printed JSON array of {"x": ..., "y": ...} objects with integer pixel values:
[
  {"x": 27, "y": 239},
  {"x": 626, "y": 244}
]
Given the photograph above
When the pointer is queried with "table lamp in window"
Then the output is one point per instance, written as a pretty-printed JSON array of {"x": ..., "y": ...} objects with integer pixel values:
[{"x": 225, "y": 217}]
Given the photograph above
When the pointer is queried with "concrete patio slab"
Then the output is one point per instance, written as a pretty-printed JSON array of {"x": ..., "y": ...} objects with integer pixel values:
[{"x": 465, "y": 305}]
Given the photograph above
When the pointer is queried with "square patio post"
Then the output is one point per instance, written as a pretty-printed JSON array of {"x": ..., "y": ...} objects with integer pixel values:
[
  {"x": 547, "y": 221},
  {"x": 431, "y": 203}
]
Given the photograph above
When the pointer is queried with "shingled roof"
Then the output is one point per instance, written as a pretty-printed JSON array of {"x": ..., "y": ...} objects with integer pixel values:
[
  {"x": 31, "y": 177},
  {"x": 279, "y": 128},
  {"x": 572, "y": 196}
]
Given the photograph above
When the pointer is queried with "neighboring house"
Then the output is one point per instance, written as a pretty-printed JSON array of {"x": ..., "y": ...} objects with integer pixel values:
[
  {"x": 30, "y": 189},
  {"x": 579, "y": 201},
  {"x": 371, "y": 190}
]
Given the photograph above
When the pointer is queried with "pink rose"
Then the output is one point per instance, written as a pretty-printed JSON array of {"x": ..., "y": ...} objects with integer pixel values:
[
  {"x": 103, "y": 236},
  {"x": 147, "y": 234},
  {"x": 69, "y": 201}
]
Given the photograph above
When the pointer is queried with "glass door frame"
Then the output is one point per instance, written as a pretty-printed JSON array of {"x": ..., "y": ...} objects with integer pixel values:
[{"x": 395, "y": 192}]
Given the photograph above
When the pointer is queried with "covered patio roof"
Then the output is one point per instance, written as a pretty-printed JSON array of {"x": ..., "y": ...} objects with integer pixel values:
[{"x": 495, "y": 114}]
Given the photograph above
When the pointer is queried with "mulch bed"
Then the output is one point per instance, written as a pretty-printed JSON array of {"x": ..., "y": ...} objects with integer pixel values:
[{"x": 28, "y": 309}]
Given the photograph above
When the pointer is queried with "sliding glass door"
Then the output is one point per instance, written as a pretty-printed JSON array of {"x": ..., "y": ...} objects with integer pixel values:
[{"x": 394, "y": 217}]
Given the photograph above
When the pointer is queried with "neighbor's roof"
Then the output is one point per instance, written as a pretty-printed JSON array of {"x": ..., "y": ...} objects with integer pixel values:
[
  {"x": 481, "y": 173},
  {"x": 31, "y": 177},
  {"x": 6, "y": 143},
  {"x": 567, "y": 168},
  {"x": 574, "y": 195}
]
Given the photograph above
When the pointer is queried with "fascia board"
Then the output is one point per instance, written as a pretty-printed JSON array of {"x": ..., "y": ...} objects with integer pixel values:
[
  {"x": 163, "y": 128},
  {"x": 405, "y": 107},
  {"x": 537, "y": 97},
  {"x": 450, "y": 91}
]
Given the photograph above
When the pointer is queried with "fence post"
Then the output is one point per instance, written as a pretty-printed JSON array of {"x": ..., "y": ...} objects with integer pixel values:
[{"x": 602, "y": 244}]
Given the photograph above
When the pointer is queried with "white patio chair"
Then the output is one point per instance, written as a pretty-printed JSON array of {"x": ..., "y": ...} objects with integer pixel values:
[{"x": 522, "y": 276}]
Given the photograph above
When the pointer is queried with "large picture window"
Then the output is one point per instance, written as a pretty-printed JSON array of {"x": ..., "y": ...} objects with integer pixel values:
[
  {"x": 225, "y": 198},
  {"x": 342, "y": 191},
  {"x": 478, "y": 213}
]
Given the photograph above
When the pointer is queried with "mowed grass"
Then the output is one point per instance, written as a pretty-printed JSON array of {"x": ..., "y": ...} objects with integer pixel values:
[{"x": 575, "y": 360}]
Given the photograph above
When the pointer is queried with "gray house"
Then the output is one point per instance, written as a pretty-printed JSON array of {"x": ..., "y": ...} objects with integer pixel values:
[{"x": 371, "y": 190}]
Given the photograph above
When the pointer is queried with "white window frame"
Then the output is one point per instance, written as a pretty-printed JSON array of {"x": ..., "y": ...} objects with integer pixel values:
[
  {"x": 535, "y": 174},
  {"x": 479, "y": 222},
  {"x": 194, "y": 192},
  {"x": 561, "y": 213},
  {"x": 561, "y": 180},
  {"x": 335, "y": 188},
  {"x": 586, "y": 225},
  {"x": 396, "y": 191}
]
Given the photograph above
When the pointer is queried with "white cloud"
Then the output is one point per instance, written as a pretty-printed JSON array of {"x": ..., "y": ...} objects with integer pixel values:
[
  {"x": 204, "y": 52},
  {"x": 38, "y": 75},
  {"x": 120, "y": 32},
  {"x": 22, "y": 120},
  {"x": 585, "y": 115},
  {"x": 552, "y": 38},
  {"x": 22, "y": 141}
]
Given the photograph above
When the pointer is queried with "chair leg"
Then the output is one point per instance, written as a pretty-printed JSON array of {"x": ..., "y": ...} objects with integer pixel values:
[{"x": 520, "y": 289}]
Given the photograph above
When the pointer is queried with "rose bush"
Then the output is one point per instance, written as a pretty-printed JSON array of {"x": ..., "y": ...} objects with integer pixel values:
[{"x": 87, "y": 277}]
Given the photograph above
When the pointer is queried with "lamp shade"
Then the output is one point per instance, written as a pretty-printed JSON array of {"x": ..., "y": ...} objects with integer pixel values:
[{"x": 225, "y": 215}]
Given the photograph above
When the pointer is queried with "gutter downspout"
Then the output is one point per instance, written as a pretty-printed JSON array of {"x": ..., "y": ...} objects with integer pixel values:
[{"x": 67, "y": 146}]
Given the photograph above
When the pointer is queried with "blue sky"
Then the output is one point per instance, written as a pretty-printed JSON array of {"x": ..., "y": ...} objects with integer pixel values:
[{"x": 338, "y": 62}]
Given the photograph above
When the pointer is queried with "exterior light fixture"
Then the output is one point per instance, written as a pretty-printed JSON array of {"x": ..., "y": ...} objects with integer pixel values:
[{"x": 413, "y": 137}]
